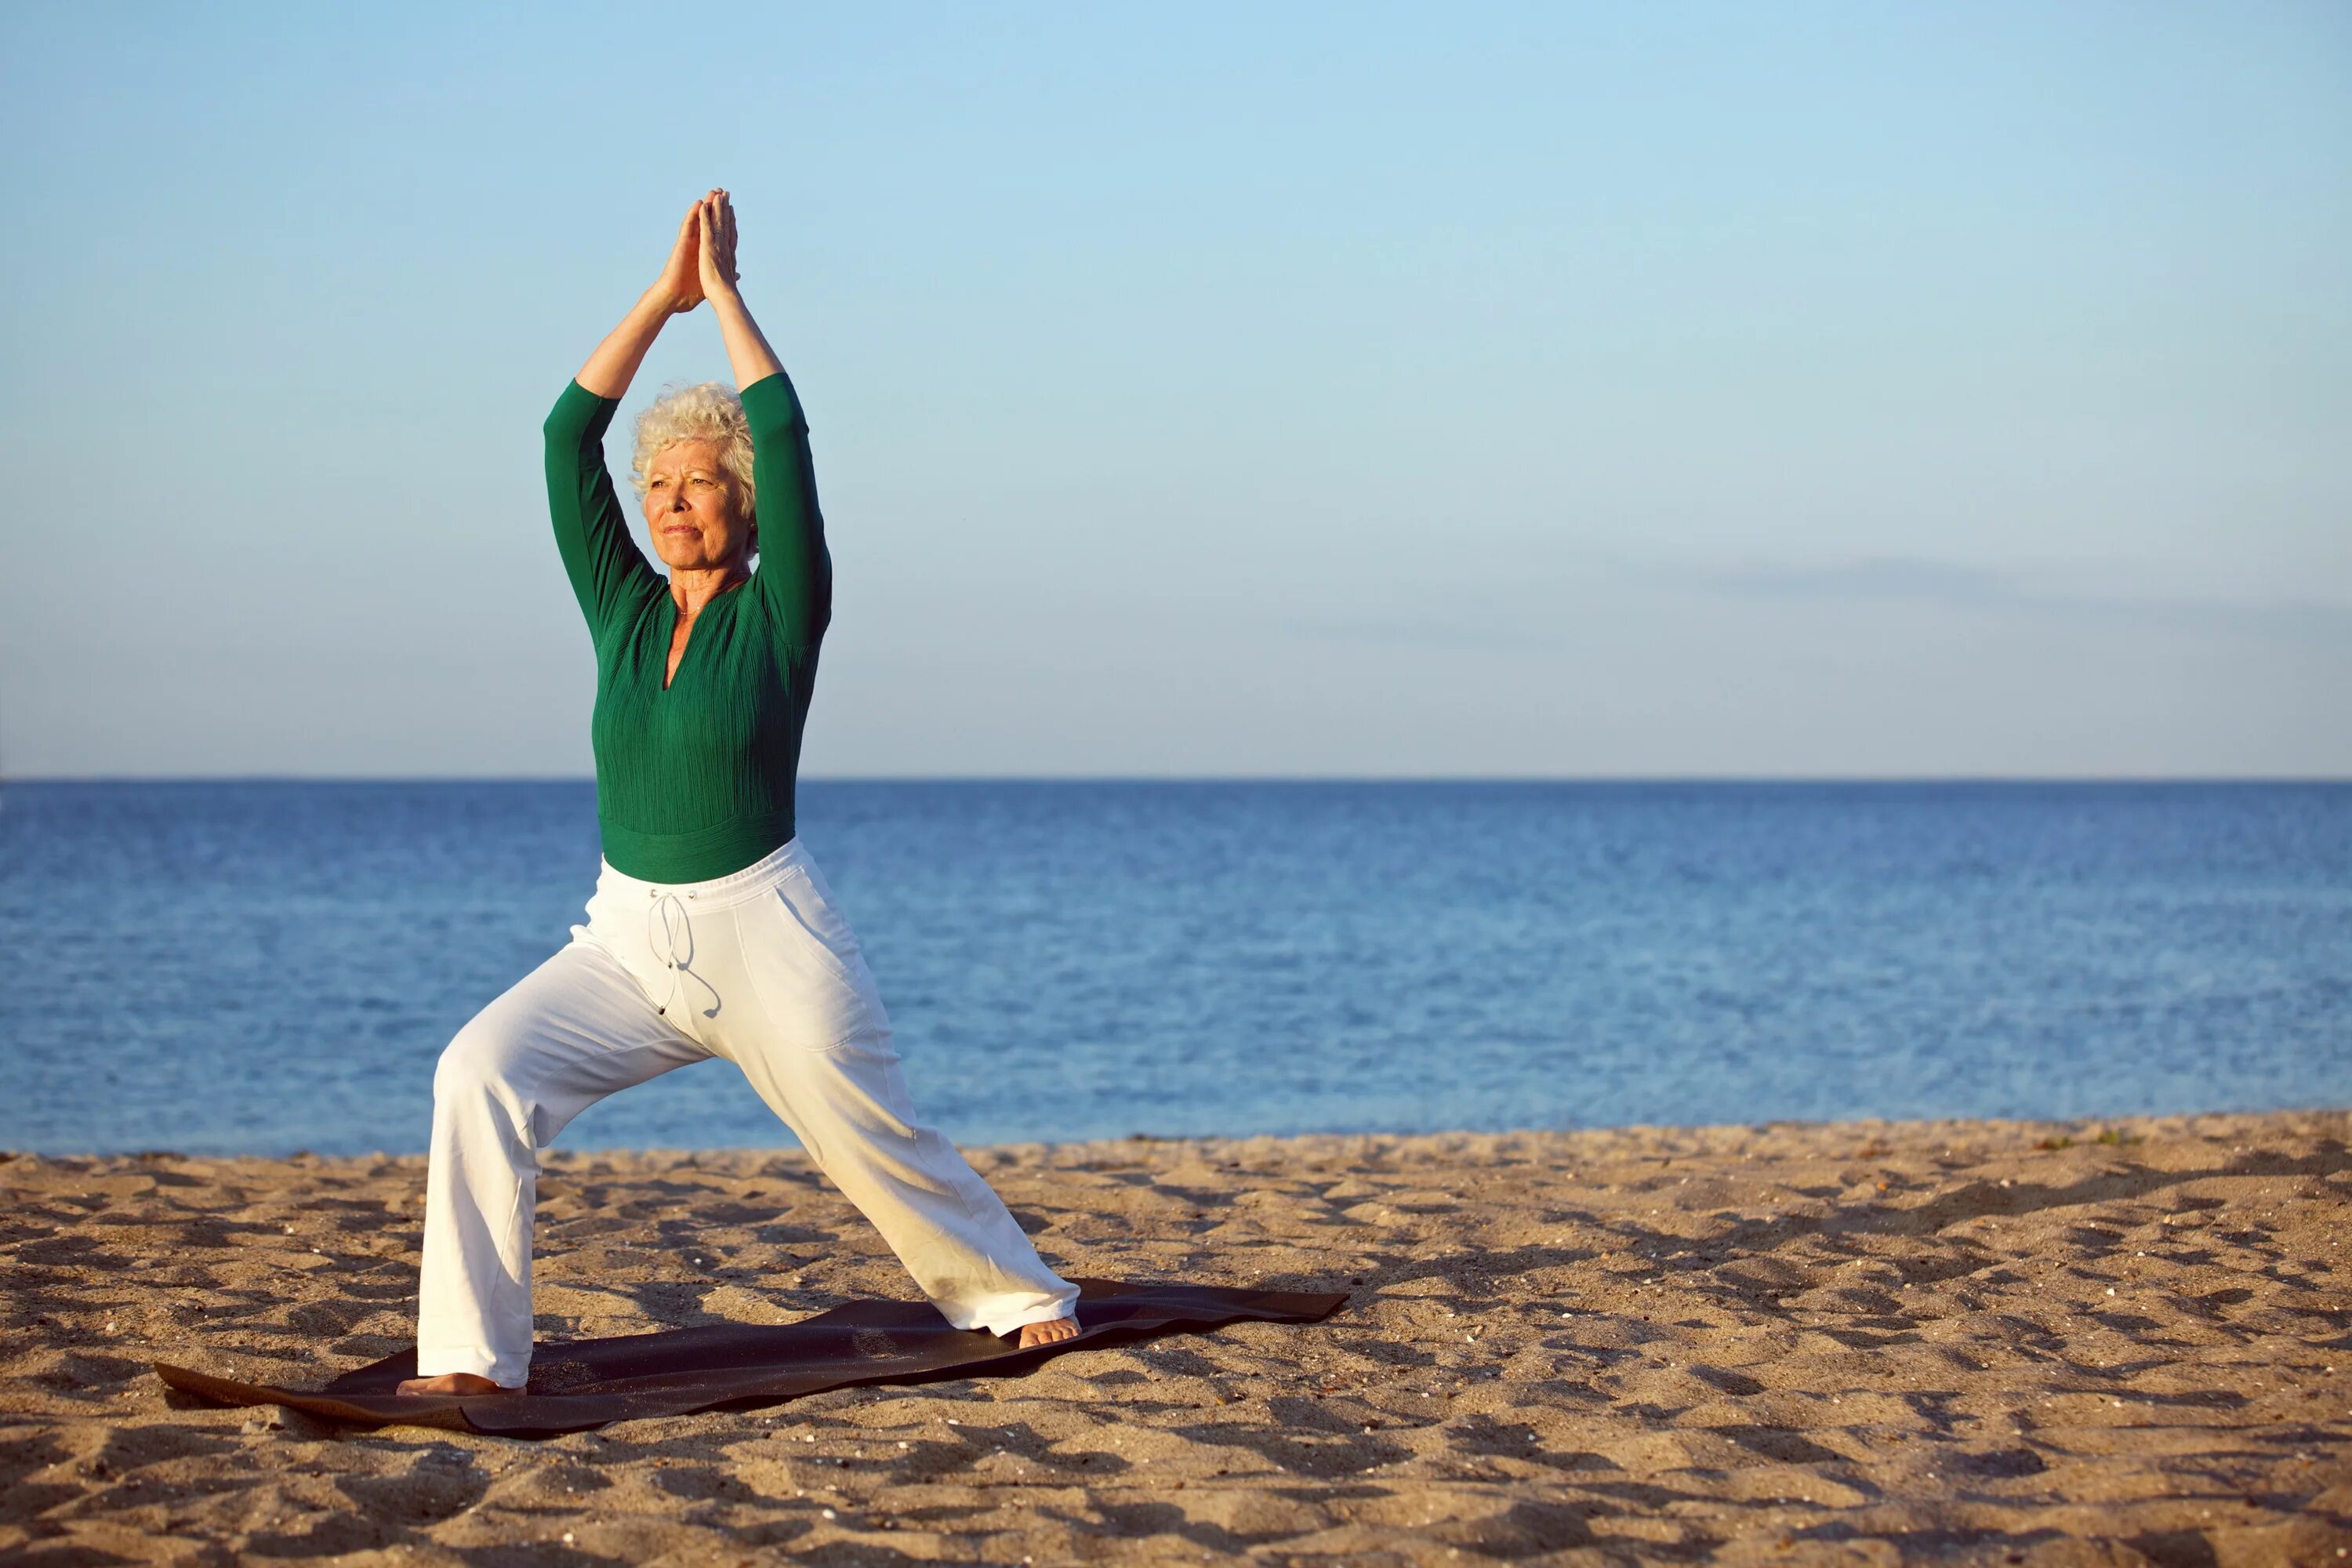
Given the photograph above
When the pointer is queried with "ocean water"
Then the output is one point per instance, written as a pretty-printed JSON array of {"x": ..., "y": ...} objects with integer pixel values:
[{"x": 268, "y": 967}]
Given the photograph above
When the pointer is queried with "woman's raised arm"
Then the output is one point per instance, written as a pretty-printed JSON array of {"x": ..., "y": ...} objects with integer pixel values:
[
  {"x": 795, "y": 572},
  {"x": 748, "y": 354},
  {"x": 678, "y": 291}
]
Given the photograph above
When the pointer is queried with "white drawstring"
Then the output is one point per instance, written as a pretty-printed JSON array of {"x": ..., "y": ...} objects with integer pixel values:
[{"x": 676, "y": 931}]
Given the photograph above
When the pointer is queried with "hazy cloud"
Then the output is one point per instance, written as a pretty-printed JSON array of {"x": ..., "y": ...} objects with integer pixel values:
[
  {"x": 1543, "y": 608},
  {"x": 1950, "y": 584}
]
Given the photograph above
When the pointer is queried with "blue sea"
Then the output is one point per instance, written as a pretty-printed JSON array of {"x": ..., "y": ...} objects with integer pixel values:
[{"x": 268, "y": 967}]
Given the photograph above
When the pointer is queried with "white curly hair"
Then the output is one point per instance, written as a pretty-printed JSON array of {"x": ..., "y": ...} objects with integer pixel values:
[{"x": 708, "y": 412}]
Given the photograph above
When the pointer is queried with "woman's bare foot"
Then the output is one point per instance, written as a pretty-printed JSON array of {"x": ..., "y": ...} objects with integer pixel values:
[
  {"x": 454, "y": 1383},
  {"x": 1047, "y": 1333}
]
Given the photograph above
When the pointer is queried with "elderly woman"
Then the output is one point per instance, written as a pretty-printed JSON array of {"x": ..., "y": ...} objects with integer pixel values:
[{"x": 711, "y": 932}]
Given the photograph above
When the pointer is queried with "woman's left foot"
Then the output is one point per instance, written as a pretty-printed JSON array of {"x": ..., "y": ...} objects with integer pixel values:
[
  {"x": 457, "y": 1383},
  {"x": 1047, "y": 1333}
]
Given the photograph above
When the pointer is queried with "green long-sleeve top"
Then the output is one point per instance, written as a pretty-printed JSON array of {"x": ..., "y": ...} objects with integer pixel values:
[{"x": 695, "y": 781}]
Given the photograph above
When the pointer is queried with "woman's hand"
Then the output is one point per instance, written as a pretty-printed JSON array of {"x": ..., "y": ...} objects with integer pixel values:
[
  {"x": 678, "y": 290},
  {"x": 680, "y": 284},
  {"x": 714, "y": 225}
]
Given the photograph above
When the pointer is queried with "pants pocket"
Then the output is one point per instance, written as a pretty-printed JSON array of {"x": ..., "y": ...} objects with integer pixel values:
[{"x": 806, "y": 969}]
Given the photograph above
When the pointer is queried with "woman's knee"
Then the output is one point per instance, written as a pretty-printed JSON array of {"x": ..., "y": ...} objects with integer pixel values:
[{"x": 480, "y": 1060}]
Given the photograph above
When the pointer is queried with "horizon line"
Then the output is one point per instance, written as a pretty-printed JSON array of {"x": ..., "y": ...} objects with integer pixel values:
[{"x": 589, "y": 779}]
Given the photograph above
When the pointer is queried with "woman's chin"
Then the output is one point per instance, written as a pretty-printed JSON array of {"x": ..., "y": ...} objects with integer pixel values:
[{"x": 686, "y": 562}]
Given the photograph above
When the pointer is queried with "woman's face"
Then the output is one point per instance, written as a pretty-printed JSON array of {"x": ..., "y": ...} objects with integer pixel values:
[{"x": 690, "y": 508}]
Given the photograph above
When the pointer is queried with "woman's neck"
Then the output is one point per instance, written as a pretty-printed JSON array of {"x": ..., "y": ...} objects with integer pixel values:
[{"x": 690, "y": 588}]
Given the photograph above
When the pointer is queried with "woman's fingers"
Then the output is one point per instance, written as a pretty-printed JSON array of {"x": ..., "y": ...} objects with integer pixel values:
[
  {"x": 713, "y": 224},
  {"x": 713, "y": 258},
  {"x": 721, "y": 233}
]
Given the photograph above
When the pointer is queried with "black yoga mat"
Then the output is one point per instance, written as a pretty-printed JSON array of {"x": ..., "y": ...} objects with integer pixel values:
[{"x": 587, "y": 1383}]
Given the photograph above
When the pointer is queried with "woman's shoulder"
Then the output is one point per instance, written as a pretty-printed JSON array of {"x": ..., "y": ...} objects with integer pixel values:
[{"x": 771, "y": 405}]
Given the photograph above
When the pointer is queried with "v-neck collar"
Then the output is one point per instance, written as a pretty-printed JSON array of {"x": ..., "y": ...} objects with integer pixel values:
[{"x": 669, "y": 601}]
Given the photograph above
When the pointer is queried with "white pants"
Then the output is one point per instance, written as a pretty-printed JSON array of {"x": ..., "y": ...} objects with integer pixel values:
[{"x": 758, "y": 967}]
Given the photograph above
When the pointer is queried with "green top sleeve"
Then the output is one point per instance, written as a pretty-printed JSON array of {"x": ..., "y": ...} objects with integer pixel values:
[
  {"x": 608, "y": 572},
  {"x": 794, "y": 577}
]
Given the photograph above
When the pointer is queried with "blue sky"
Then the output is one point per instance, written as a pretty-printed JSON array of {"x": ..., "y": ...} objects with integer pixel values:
[{"x": 1494, "y": 390}]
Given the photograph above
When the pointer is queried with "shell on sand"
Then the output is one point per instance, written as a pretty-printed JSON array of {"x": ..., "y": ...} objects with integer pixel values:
[{"x": 1853, "y": 1343}]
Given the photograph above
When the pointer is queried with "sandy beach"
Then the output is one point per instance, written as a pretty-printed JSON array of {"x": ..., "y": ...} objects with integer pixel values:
[{"x": 1872, "y": 1343}]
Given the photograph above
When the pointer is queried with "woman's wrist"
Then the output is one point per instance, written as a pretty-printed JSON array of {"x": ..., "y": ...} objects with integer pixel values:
[{"x": 660, "y": 301}]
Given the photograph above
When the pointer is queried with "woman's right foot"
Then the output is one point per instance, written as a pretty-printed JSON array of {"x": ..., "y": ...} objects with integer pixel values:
[
  {"x": 454, "y": 1383},
  {"x": 1048, "y": 1333}
]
